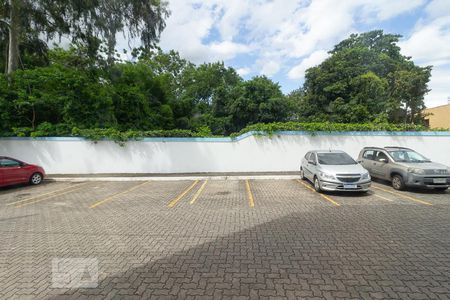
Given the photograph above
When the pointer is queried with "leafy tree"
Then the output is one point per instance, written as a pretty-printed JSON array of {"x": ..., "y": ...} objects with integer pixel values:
[
  {"x": 7, "y": 118},
  {"x": 79, "y": 91},
  {"x": 88, "y": 22},
  {"x": 57, "y": 94},
  {"x": 257, "y": 100},
  {"x": 139, "y": 98},
  {"x": 169, "y": 64},
  {"x": 366, "y": 78},
  {"x": 409, "y": 86},
  {"x": 209, "y": 88}
]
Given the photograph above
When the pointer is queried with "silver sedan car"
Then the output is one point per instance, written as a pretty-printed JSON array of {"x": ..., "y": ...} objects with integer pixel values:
[{"x": 334, "y": 171}]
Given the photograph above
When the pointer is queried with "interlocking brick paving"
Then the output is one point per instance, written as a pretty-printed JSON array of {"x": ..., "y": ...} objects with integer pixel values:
[{"x": 293, "y": 244}]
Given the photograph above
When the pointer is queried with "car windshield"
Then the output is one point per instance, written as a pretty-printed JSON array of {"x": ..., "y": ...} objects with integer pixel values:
[
  {"x": 333, "y": 158},
  {"x": 408, "y": 156}
]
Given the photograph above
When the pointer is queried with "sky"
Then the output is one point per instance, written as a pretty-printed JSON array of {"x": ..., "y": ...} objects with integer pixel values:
[{"x": 282, "y": 38}]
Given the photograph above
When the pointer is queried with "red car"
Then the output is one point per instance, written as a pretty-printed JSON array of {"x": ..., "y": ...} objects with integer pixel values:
[{"x": 14, "y": 171}]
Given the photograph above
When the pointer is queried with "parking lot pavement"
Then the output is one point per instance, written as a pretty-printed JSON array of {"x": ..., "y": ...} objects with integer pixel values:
[{"x": 243, "y": 239}]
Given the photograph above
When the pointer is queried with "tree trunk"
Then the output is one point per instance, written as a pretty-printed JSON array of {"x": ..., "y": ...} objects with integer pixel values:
[
  {"x": 14, "y": 32},
  {"x": 5, "y": 52},
  {"x": 406, "y": 113},
  {"x": 111, "y": 43}
]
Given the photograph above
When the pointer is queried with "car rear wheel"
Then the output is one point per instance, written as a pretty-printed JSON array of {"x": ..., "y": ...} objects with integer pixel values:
[
  {"x": 317, "y": 185},
  {"x": 398, "y": 183},
  {"x": 36, "y": 178},
  {"x": 302, "y": 174}
]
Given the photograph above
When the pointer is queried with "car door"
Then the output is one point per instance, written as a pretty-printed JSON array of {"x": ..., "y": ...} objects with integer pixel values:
[
  {"x": 312, "y": 165},
  {"x": 2, "y": 175},
  {"x": 367, "y": 160},
  {"x": 380, "y": 166},
  {"x": 12, "y": 171},
  {"x": 304, "y": 162},
  {"x": 308, "y": 166}
]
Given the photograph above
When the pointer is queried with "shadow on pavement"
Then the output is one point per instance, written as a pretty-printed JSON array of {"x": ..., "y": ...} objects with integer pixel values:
[
  {"x": 22, "y": 186},
  {"x": 412, "y": 189},
  {"x": 343, "y": 252}
]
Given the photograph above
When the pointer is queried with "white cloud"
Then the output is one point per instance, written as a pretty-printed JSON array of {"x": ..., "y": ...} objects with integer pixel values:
[
  {"x": 382, "y": 10},
  {"x": 439, "y": 85},
  {"x": 293, "y": 35},
  {"x": 430, "y": 42},
  {"x": 244, "y": 71},
  {"x": 323, "y": 24},
  {"x": 232, "y": 13},
  {"x": 227, "y": 50},
  {"x": 298, "y": 72},
  {"x": 269, "y": 68},
  {"x": 275, "y": 30},
  {"x": 438, "y": 8},
  {"x": 188, "y": 25}
]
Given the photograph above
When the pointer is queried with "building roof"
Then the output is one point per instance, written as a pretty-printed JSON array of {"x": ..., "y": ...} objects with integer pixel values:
[{"x": 439, "y": 106}]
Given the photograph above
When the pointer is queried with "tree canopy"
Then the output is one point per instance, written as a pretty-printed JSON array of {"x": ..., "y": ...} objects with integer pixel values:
[
  {"x": 91, "y": 23},
  {"x": 364, "y": 80},
  {"x": 159, "y": 91}
]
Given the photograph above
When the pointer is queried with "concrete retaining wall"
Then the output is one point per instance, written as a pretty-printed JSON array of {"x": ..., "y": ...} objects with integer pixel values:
[{"x": 247, "y": 153}]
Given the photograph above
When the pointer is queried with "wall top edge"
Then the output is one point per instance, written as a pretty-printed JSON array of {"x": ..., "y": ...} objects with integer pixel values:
[{"x": 249, "y": 134}]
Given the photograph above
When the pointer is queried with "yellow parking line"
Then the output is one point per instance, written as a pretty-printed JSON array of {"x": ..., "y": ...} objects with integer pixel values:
[
  {"x": 39, "y": 196},
  {"x": 109, "y": 198},
  {"x": 384, "y": 198},
  {"x": 322, "y": 195},
  {"x": 404, "y": 196},
  {"x": 52, "y": 196},
  {"x": 178, "y": 198},
  {"x": 251, "y": 200},
  {"x": 198, "y": 192}
]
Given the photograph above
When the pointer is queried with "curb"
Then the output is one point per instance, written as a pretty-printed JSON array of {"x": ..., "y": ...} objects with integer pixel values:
[{"x": 174, "y": 178}]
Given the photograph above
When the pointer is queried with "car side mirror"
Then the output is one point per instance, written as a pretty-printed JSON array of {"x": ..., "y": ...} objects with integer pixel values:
[
  {"x": 383, "y": 160},
  {"x": 359, "y": 161},
  {"x": 312, "y": 162}
]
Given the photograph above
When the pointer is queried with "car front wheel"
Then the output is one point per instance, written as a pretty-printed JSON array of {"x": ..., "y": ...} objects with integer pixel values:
[
  {"x": 36, "y": 178},
  {"x": 398, "y": 183},
  {"x": 302, "y": 174},
  {"x": 317, "y": 185}
]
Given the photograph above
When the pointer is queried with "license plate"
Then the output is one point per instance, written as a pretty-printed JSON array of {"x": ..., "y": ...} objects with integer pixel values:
[
  {"x": 440, "y": 180},
  {"x": 350, "y": 186}
]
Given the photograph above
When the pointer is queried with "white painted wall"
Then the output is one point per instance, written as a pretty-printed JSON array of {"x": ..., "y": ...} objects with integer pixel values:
[{"x": 251, "y": 154}]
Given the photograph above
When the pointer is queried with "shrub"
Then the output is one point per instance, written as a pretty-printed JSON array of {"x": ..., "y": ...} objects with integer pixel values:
[{"x": 96, "y": 134}]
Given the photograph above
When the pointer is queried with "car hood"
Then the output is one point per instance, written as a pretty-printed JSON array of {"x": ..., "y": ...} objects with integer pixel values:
[
  {"x": 424, "y": 166},
  {"x": 35, "y": 166},
  {"x": 343, "y": 169}
]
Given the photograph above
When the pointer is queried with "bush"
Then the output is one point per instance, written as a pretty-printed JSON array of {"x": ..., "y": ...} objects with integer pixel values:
[
  {"x": 270, "y": 128},
  {"x": 96, "y": 134}
]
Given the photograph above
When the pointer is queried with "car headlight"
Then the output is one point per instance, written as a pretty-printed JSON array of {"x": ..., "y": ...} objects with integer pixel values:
[
  {"x": 365, "y": 176},
  {"x": 448, "y": 170},
  {"x": 327, "y": 176},
  {"x": 416, "y": 171}
]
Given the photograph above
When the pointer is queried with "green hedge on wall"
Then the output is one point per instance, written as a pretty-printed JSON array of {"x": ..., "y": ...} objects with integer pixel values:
[{"x": 95, "y": 134}]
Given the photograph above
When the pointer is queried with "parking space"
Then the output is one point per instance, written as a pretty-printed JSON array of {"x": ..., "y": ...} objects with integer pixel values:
[
  {"x": 226, "y": 238},
  {"x": 24, "y": 191},
  {"x": 423, "y": 196}
]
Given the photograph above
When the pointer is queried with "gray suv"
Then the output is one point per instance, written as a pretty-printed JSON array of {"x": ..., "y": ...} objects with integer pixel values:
[{"x": 404, "y": 168}]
